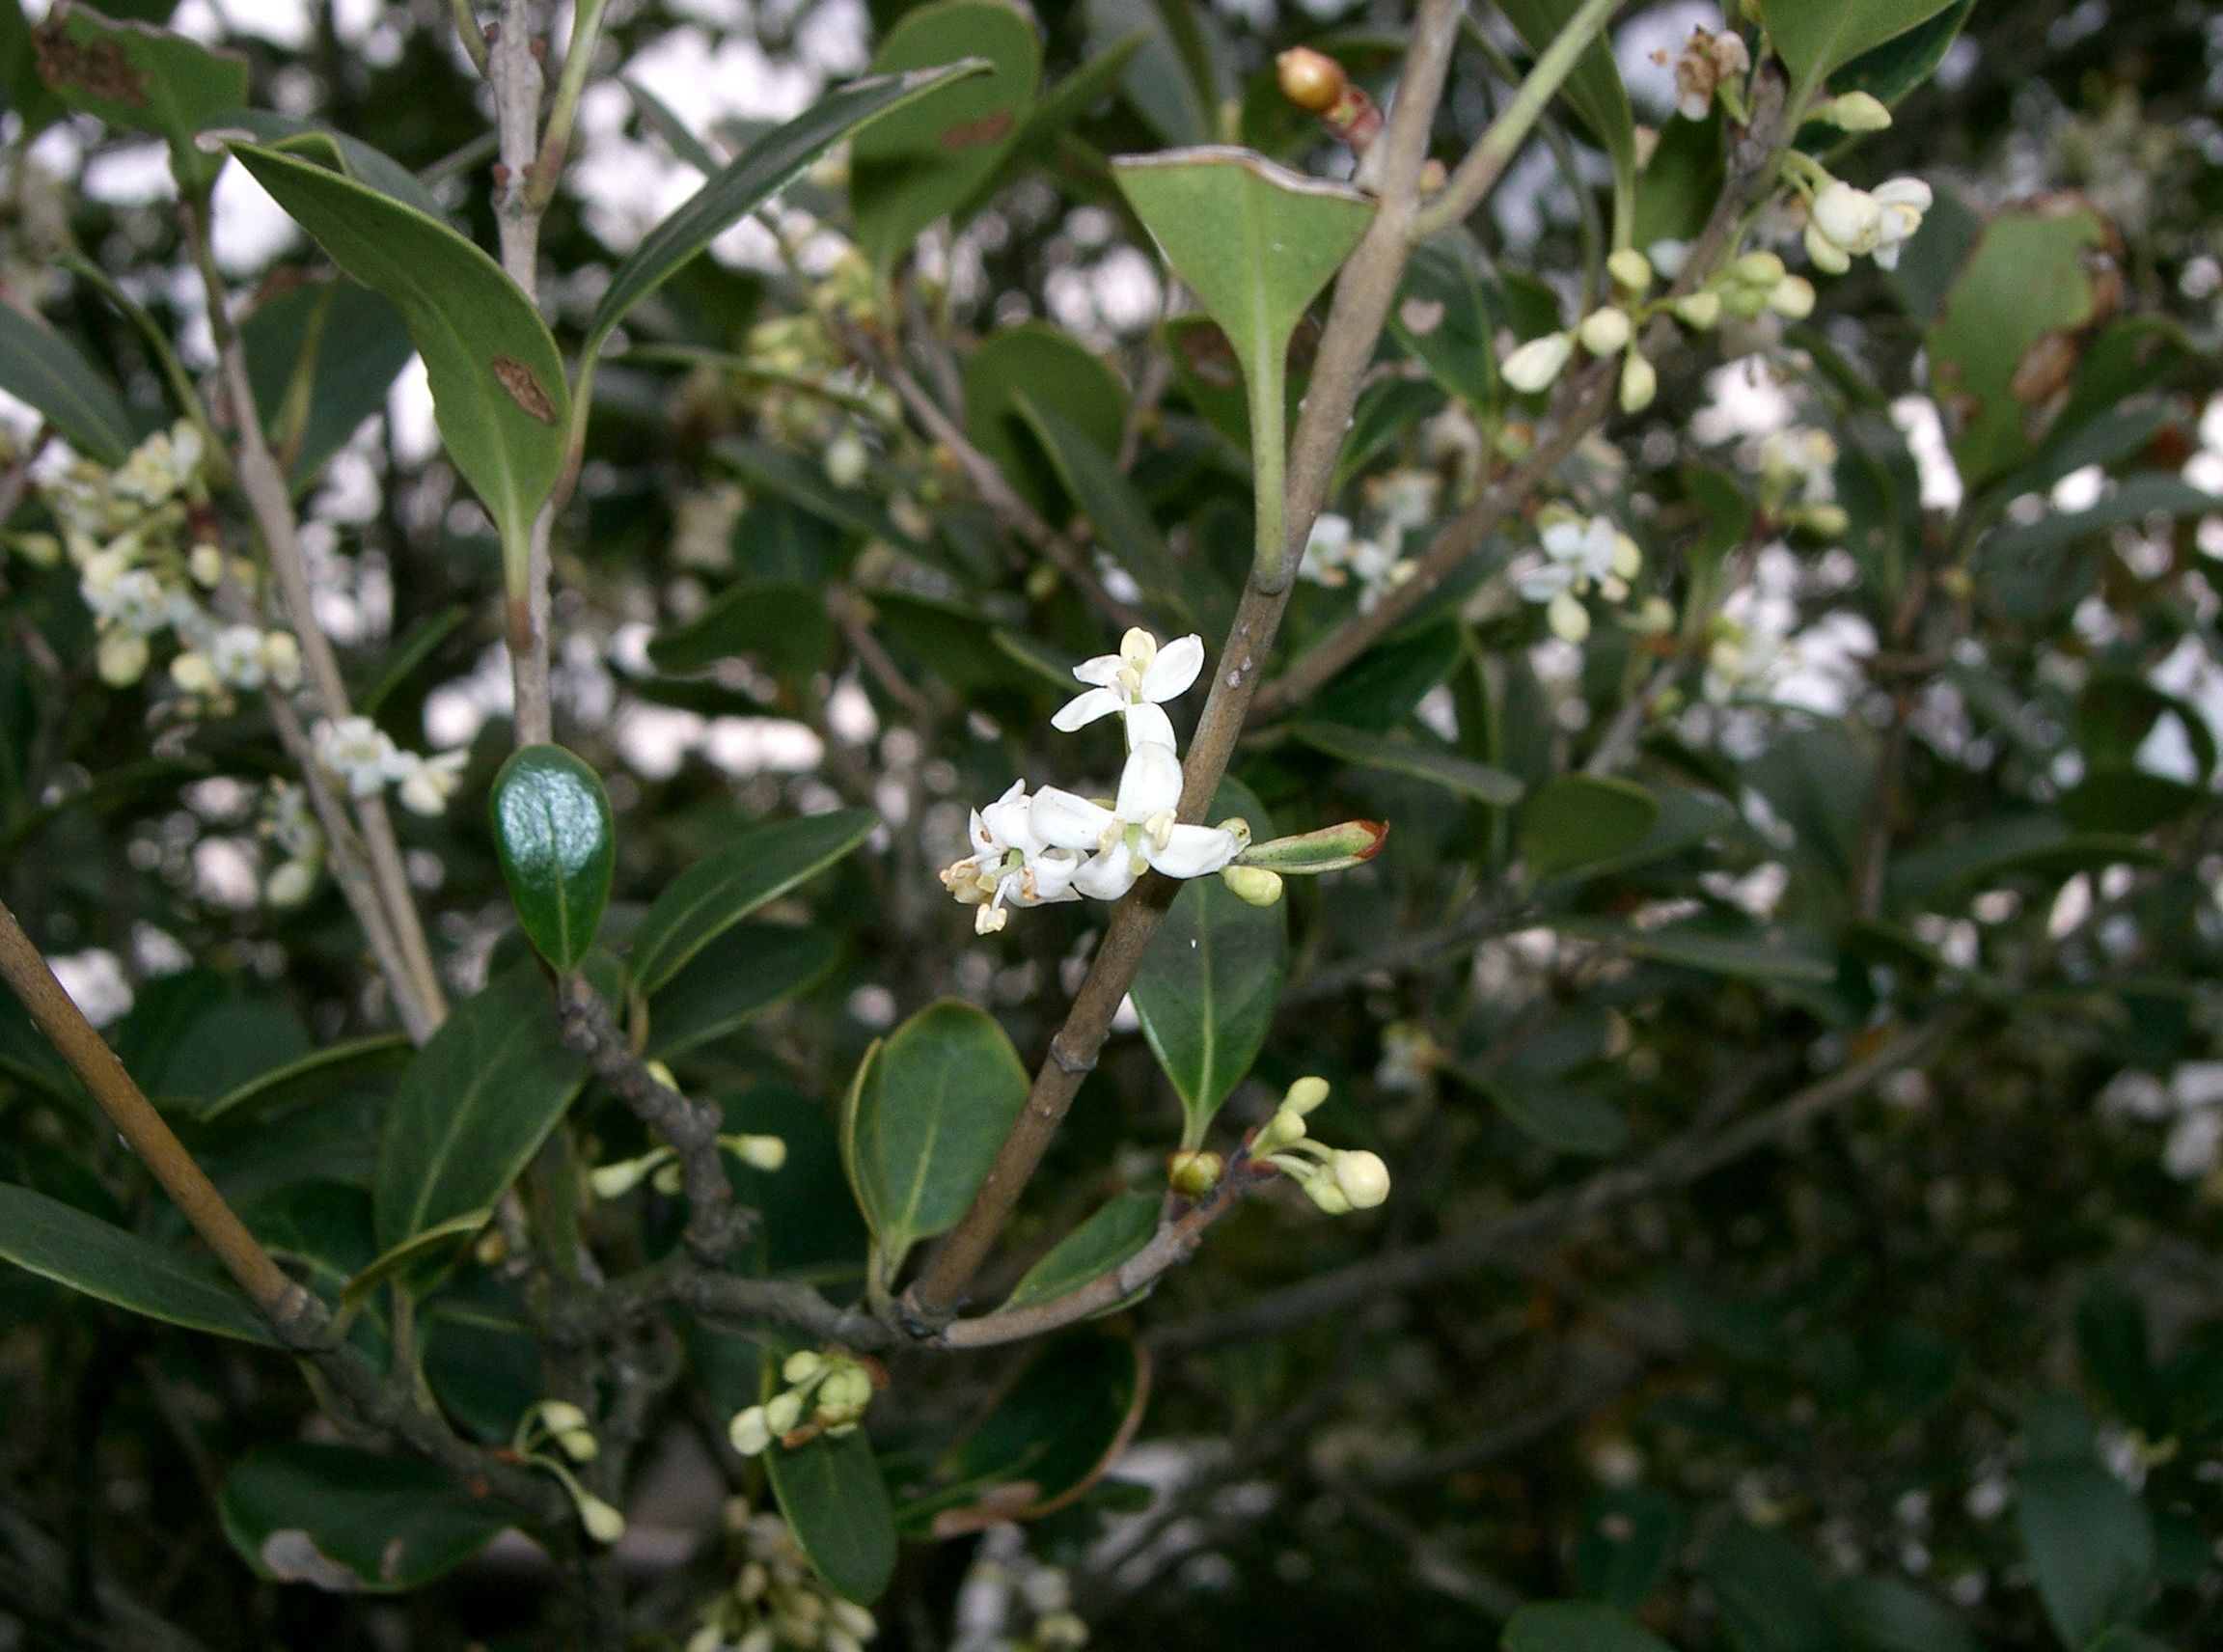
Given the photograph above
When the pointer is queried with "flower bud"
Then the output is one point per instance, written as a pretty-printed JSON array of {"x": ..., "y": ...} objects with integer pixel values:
[
  {"x": 782, "y": 1412},
  {"x": 761, "y": 1152},
  {"x": 1305, "y": 1094},
  {"x": 206, "y": 564},
  {"x": 1632, "y": 269},
  {"x": 1604, "y": 330},
  {"x": 289, "y": 885},
  {"x": 802, "y": 1366},
  {"x": 1194, "y": 1172},
  {"x": 1538, "y": 362},
  {"x": 1322, "y": 1190},
  {"x": 1792, "y": 297},
  {"x": 1639, "y": 383},
  {"x": 1855, "y": 111},
  {"x": 1278, "y": 1132},
  {"x": 1312, "y": 80},
  {"x": 662, "y": 1074},
  {"x": 122, "y": 658},
  {"x": 853, "y": 1619},
  {"x": 193, "y": 673},
  {"x": 669, "y": 1178},
  {"x": 1699, "y": 310},
  {"x": 1254, "y": 886},
  {"x": 1757, "y": 269},
  {"x": 750, "y": 1431},
  {"x": 844, "y": 1394},
  {"x": 561, "y": 1415},
  {"x": 1569, "y": 620},
  {"x": 579, "y": 1446},
  {"x": 604, "y": 1524},
  {"x": 616, "y": 1181},
  {"x": 1361, "y": 1177}
]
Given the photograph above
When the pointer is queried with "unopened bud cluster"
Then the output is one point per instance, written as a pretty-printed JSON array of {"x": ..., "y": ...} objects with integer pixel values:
[
  {"x": 660, "y": 1166},
  {"x": 562, "y": 1425},
  {"x": 1337, "y": 1179},
  {"x": 776, "y": 1599},
  {"x": 820, "y": 1393}
]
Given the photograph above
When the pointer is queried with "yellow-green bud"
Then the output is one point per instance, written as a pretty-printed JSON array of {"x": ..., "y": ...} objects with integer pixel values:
[
  {"x": 1194, "y": 1172},
  {"x": 1254, "y": 886},
  {"x": 750, "y": 1431},
  {"x": 1278, "y": 1132},
  {"x": 1699, "y": 310},
  {"x": 782, "y": 1412},
  {"x": 1792, "y": 297},
  {"x": 1763, "y": 269},
  {"x": 578, "y": 1445},
  {"x": 561, "y": 1415},
  {"x": 802, "y": 1366},
  {"x": 1631, "y": 268},
  {"x": 1305, "y": 1094},
  {"x": 1639, "y": 383},
  {"x": 1361, "y": 1177},
  {"x": 1604, "y": 330},
  {"x": 662, "y": 1074},
  {"x": 1855, "y": 111},
  {"x": 604, "y": 1524}
]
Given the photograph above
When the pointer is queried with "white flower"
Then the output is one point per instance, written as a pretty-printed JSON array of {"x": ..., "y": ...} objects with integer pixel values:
[
  {"x": 1136, "y": 833},
  {"x": 289, "y": 885},
  {"x": 235, "y": 654},
  {"x": 426, "y": 784},
  {"x": 1011, "y": 865},
  {"x": 135, "y": 598},
  {"x": 282, "y": 659},
  {"x": 1846, "y": 223},
  {"x": 355, "y": 752},
  {"x": 1327, "y": 551},
  {"x": 1578, "y": 555},
  {"x": 1135, "y": 682},
  {"x": 1538, "y": 362}
]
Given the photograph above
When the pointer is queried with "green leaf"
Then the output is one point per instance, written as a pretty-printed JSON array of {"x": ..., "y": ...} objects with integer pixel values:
[
  {"x": 926, "y": 1120},
  {"x": 1770, "y": 1597},
  {"x": 1883, "y": 1614},
  {"x": 782, "y": 621},
  {"x": 20, "y": 88},
  {"x": 322, "y": 356},
  {"x": 498, "y": 395},
  {"x": 333, "y": 1067},
  {"x": 1100, "y": 1244},
  {"x": 1048, "y": 1439},
  {"x": 473, "y": 1106},
  {"x": 1208, "y": 983},
  {"x": 1255, "y": 241},
  {"x": 1443, "y": 318},
  {"x": 1178, "y": 79},
  {"x": 350, "y": 155},
  {"x": 1577, "y": 1626},
  {"x": 716, "y": 893},
  {"x": 86, "y": 1254},
  {"x": 1116, "y": 511},
  {"x": 913, "y": 167},
  {"x": 1630, "y": 1536},
  {"x": 836, "y": 1505},
  {"x": 1035, "y": 360},
  {"x": 742, "y": 973},
  {"x": 347, "y": 1520},
  {"x": 2122, "y": 799},
  {"x": 1559, "y": 1115},
  {"x": 1738, "y": 949},
  {"x": 2032, "y": 275},
  {"x": 1579, "y": 819},
  {"x": 143, "y": 79},
  {"x": 1410, "y": 756},
  {"x": 764, "y": 167},
  {"x": 2117, "y": 1355},
  {"x": 1900, "y": 65},
  {"x": 1592, "y": 89},
  {"x": 806, "y": 485},
  {"x": 39, "y": 367},
  {"x": 2088, "y": 1540},
  {"x": 1814, "y": 37},
  {"x": 2021, "y": 569},
  {"x": 558, "y": 847}
]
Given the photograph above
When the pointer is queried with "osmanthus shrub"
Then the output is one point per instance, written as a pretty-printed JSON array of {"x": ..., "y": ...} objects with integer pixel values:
[{"x": 1536, "y": 682}]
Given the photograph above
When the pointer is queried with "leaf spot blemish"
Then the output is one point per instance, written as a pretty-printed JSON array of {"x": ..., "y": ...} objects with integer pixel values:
[
  {"x": 524, "y": 388},
  {"x": 98, "y": 67}
]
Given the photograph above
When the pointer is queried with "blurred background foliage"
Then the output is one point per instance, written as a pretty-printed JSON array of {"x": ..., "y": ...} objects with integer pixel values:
[{"x": 1660, "y": 1316}]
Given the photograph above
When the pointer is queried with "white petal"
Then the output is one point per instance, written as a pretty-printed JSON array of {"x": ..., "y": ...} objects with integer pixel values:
[
  {"x": 1068, "y": 822},
  {"x": 1192, "y": 851},
  {"x": 1147, "y": 726},
  {"x": 1174, "y": 669},
  {"x": 1905, "y": 192},
  {"x": 1542, "y": 584},
  {"x": 982, "y": 842},
  {"x": 1053, "y": 871},
  {"x": 1150, "y": 783},
  {"x": 1110, "y": 875},
  {"x": 1009, "y": 821},
  {"x": 1100, "y": 672},
  {"x": 1083, "y": 709}
]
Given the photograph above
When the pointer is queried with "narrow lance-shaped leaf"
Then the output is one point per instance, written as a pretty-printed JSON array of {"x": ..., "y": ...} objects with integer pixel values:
[
  {"x": 1115, "y": 509},
  {"x": 86, "y": 1254},
  {"x": 767, "y": 165},
  {"x": 557, "y": 848},
  {"x": 359, "y": 160},
  {"x": 498, "y": 390},
  {"x": 1594, "y": 88},
  {"x": 39, "y": 367}
]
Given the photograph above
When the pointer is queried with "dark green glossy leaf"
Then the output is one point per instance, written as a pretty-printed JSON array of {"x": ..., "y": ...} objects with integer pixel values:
[
  {"x": 781, "y": 621},
  {"x": 1883, "y": 1614},
  {"x": 742, "y": 973},
  {"x": 1577, "y": 1626},
  {"x": 86, "y": 1254},
  {"x": 2088, "y": 1539},
  {"x": 347, "y": 1520},
  {"x": 1208, "y": 984},
  {"x": 1579, "y": 819},
  {"x": 351, "y": 156},
  {"x": 323, "y": 357},
  {"x": 836, "y": 1505},
  {"x": 1814, "y": 37},
  {"x": 926, "y": 1120},
  {"x": 1116, "y": 511},
  {"x": 1410, "y": 756},
  {"x": 558, "y": 847},
  {"x": 1100, "y": 1244},
  {"x": 473, "y": 1106},
  {"x": 1051, "y": 370},
  {"x": 709, "y": 897},
  {"x": 142, "y": 79},
  {"x": 39, "y": 367},
  {"x": 1770, "y": 1596}
]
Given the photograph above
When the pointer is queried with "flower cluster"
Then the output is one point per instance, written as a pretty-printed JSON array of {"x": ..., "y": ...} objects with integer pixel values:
[
  {"x": 558, "y": 1423},
  {"x": 1336, "y": 554},
  {"x": 1844, "y": 223},
  {"x": 357, "y": 752},
  {"x": 1798, "y": 481},
  {"x": 1610, "y": 329},
  {"x": 824, "y": 1393},
  {"x": 1054, "y": 845},
  {"x": 1337, "y": 1179},
  {"x": 1710, "y": 66},
  {"x": 1020, "y": 1604},
  {"x": 777, "y": 1600},
  {"x": 144, "y": 567},
  {"x": 1579, "y": 556}
]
